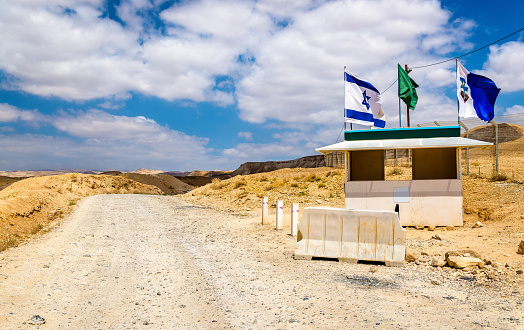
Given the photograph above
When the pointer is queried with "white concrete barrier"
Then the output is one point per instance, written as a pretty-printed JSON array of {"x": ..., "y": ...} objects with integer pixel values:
[
  {"x": 351, "y": 235},
  {"x": 294, "y": 219},
  {"x": 265, "y": 210},
  {"x": 280, "y": 215}
]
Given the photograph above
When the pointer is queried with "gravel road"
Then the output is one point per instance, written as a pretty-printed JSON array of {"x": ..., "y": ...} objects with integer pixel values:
[{"x": 137, "y": 261}]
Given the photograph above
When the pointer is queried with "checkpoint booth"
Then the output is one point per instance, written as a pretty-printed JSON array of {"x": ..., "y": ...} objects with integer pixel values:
[{"x": 433, "y": 196}]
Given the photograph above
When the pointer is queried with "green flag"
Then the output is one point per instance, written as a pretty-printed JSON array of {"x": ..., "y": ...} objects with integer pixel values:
[{"x": 406, "y": 88}]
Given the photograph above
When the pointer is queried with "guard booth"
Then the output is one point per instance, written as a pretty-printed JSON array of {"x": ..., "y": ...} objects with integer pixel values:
[{"x": 433, "y": 196}]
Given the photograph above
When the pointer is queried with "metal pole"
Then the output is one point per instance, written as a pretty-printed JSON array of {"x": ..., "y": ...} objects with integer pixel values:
[
  {"x": 436, "y": 123},
  {"x": 496, "y": 147},
  {"x": 458, "y": 104},
  {"x": 407, "y": 105},
  {"x": 467, "y": 149}
]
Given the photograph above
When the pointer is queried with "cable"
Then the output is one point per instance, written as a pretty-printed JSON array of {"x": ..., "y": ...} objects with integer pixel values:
[
  {"x": 454, "y": 58},
  {"x": 340, "y": 132},
  {"x": 389, "y": 86}
]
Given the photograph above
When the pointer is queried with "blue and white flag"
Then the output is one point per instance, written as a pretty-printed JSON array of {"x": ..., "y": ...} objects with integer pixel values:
[
  {"x": 363, "y": 103},
  {"x": 476, "y": 95}
]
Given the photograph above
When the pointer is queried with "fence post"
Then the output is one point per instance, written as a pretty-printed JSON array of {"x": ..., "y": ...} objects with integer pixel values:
[
  {"x": 294, "y": 219},
  {"x": 467, "y": 149},
  {"x": 496, "y": 147},
  {"x": 265, "y": 210},
  {"x": 280, "y": 215}
]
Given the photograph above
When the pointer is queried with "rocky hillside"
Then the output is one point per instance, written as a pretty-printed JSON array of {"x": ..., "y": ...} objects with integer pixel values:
[
  {"x": 507, "y": 132},
  {"x": 261, "y": 167}
]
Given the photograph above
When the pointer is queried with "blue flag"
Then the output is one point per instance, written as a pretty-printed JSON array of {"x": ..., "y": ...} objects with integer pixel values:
[
  {"x": 476, "y": 94},
  {"x": 363, "y": 104}
]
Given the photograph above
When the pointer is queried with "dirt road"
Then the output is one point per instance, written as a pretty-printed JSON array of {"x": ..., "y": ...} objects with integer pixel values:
[{"x": 137, "y": 261}]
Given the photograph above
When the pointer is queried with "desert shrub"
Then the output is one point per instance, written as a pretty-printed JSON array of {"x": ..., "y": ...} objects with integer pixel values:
[
  {"x": 311, "y": 178},
  {"x": 263, "y": 179},
  {"x": 37, "y": 228},
  {"x": 331, "y": 195},
  {"x": 71, "y": 203},
  {"x": 321, "y": 185},
  {"x": 242, "y": 194},
  {"x": 499, "y": 177},
  {"x": 294, "y": 185},
  {"x": 239, "y": 184},
  {"x": 396, "y": 171},
  {"x": 303, "y": 193},
  {"x": 475, "y": 163},
  {"x": 7, "y": 243}
]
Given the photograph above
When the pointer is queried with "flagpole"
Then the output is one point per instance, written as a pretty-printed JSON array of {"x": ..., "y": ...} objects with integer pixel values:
[
  {"x": 399, "y": 108},
  {"x": 456, "y": 78},
  {"x": 407, "y": 105}
]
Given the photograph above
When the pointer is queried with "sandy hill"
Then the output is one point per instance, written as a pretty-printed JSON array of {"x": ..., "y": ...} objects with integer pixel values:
[
  {"x": 29, "y": 205},
  {"x": 167, "y": 183}
]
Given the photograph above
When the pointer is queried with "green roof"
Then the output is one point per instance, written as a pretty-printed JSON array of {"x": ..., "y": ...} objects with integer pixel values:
[{"x": 403, "y": 133}]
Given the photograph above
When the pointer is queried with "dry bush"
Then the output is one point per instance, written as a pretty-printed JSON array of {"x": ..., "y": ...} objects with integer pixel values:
[
  {"x": 239, "y": 184},
  {"x": 396, "y": 171},
  {"x": 8, "y": 242}
]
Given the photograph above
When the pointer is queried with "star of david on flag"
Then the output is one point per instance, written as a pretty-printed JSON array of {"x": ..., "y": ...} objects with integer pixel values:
[
  {"x": 476, "y": 95},
  {"x": 363, "y": 104}
]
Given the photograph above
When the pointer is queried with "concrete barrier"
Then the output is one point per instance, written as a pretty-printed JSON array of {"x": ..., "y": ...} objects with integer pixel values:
[
  {"x": 265, "y": 210},
  {"x": 279, "y": 223},
  {"x": 351, "y": 235}
]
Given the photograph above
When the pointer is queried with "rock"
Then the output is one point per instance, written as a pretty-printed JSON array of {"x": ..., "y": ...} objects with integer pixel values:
[
  {"x": 521, "y": 248},
  {"x": 519, "y": 272},
  {"x": 437, "y": 262},
  {"x": 419, "y": 227},
  {"x": 424, "y": 253},
  {"x": 373, "y": 269},
  {"x": 463, "y": 262},
  {"x": 436, "y": 282},
  {"x": 461, "y": 253},
  {"x": 478, "y": 224},
  {"x": 438, "y": 237},
  {"x": 411, "y": 257},
  {"x": 450, "y": 228},
  {"x": 36, "y": 320},
  {"x": 491, "y": 275},
  {"x": 431, "y": 228}
]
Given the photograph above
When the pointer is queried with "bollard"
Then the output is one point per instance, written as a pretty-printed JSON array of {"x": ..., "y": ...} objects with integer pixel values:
[
  {"x": 265, "y": 210},
  {"x": 294, "y": 219},
  {"x": 280, "y": 215}
]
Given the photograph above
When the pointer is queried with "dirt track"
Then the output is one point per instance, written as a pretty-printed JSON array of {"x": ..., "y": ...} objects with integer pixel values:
[{"x": 135, "y": 261}]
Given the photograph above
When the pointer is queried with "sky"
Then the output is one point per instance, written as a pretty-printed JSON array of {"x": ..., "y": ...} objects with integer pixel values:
[{"x": 185, "y": 85}]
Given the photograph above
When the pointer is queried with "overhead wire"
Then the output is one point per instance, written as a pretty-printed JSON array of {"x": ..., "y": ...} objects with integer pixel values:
[{"x": 456, "y": 57}]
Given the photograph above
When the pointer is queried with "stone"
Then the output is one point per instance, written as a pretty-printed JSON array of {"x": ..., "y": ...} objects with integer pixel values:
[
  {"x": 419, "y": 227},
  {"x": 424, "y": 253},
  {"x": 478, "y": 224},
  {"x": 373, "y": 269},
  {"x": 411, "y": 257},
  {"x": 519, "y": 272},
  {"x": 521, "y": 248},
  {"x": 463, "y": 262},
  {"x": 36, "y": 320},
  {"x": 436, "y": 282},
  {"x": 450, "y": 228},
  {"x": 435, "y": 262},
  {"x": 438, "y": 237},
  {"x": 431, "y": 228},
  {"x": 461, "y": 253}
]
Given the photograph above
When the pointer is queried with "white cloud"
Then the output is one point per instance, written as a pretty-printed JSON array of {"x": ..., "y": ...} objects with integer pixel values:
[
  {"x": 504, "y": 66},
  {"x": 9, "y": 113},
  {"x": 514, "y": 109},
  {"x": 248, "y": 136}
]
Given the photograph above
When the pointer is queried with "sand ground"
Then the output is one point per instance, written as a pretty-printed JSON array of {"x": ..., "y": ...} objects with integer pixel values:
[{"x": 137, "y": 261}]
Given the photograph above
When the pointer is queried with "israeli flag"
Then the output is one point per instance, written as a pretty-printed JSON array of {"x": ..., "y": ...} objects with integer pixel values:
[
  {"x": 476, "y": 95},
  {"x": 363, "y": 103}
]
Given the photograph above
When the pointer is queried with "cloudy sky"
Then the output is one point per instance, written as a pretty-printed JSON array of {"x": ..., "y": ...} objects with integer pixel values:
[{"x": 183, "y": 85}]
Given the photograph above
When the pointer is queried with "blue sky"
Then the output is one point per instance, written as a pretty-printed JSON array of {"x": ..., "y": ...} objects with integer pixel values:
[{"x": 183, "y": 85}]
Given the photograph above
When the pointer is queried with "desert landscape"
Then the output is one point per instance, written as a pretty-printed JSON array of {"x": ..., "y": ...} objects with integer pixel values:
[{"x": 200, "y": 245}]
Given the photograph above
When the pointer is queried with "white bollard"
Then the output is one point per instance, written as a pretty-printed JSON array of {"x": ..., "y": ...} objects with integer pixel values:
[
  {"x": 280, "y": 215},
  {"x": 294, "y": 219},
  {"x": 265, "y": 210}
]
